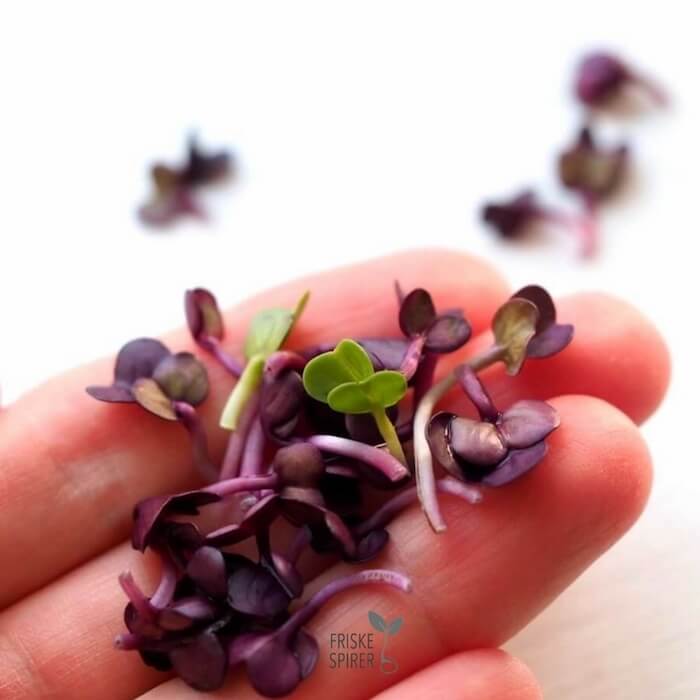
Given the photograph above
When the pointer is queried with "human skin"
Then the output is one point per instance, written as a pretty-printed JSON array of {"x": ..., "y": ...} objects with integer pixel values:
[{"x": 72, "y": 468}]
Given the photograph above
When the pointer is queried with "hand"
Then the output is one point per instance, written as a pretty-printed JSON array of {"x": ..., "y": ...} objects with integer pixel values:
[{"x": 71, "y": 470}]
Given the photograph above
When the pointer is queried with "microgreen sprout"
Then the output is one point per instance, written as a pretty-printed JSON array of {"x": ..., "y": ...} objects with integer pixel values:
[
  {"x": 602, "y": 77},
  {"x": 267, "y": 333},
  {"x": 312, "y": 431},
  {"x": 174, "y": 188},
  {"x": 345, "y": 379}
]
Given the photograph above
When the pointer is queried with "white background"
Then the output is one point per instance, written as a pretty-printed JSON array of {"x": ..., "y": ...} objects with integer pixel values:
[{"x": 362, "y": 128}]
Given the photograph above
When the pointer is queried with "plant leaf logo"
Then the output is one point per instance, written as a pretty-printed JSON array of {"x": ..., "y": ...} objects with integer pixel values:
[{"x": 388, "y": 629}]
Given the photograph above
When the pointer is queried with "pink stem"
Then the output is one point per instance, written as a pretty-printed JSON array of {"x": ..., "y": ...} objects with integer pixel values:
[
  {"x": 301, "y": 540},
  {"x": 389, "y": 510},
  {"x": 236, "y": 443},
  {"x": 280, "y": 361},
  {"x": 136, "y": 596},
  {"x": 412, "y": 358},
  {"x": 254, "y": 452},
  {"x": 200, "y": 449},
  {"x": 423, "y": 378},
  {"x": 166, "y": 588},
  {"x": 230, "y": 363},
  {"x": 588, "y": 229},
  {"x": 242, "y": 483},
  {"x": 317, "y": 601},
  {"x": 373, "y": 456},
  {"x": 128, "y": 641}
]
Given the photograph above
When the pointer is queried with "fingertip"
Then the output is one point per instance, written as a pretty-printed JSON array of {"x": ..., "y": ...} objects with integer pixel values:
[
  {"x": 609, "y": 468},
  {"x": 616, "y": 333}
]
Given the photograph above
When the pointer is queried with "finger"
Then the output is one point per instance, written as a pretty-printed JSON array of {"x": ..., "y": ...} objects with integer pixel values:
[
  {"x": 496, "y": 566},
  {"x": 483, "y": 674},
  {"x": 74, "y": 467}
]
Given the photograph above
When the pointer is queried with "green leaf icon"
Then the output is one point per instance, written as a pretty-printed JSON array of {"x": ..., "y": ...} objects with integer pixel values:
[
  {"x": 395, "y": 626},
  {"x": 377, "y": 621}
]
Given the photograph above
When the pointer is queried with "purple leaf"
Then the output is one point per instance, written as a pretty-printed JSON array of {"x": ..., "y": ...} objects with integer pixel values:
[
  {"x": 201, "y": 663},
  {"x": 476, "y": 442},
  {"x": 149, "y": 513},
  {"x": 599, "y": 78},
  {"x": 139, "y": 358},
  {"x": 185, "y": 613},
  {"x": 116, "y": 393},
  {"x": 203, "y": 315},
  {"x": 257, "y": 518},
  {"x": 517, "y": 463},
  {"x": 437, "y": 435},
  {"x": 590, "y": 170},
  {"x": 273, "y": 669},
  {"x": 207, "y": 569},
  {"x": 417, "y": 313},
  {"x": 156, "y": 659},
  {"x": 512, "y": 217},
  {"x": 204, "y": 168},
  {"x": 527, "y": 422},
  {"x": 371, "y": 545},
  {"x": 305, "y": 648},
  {"x": 550, "y": 337},
  {"x": 385, "y": 353},
  {"x": 551, "y": 341},
  {"x": 542, "y": 300},
  {"x": 183, "y": 378},
  {"x": 253, "y": 590},
  {"x": 448, "y": 333}
]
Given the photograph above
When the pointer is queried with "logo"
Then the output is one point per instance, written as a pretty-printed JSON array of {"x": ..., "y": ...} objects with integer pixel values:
[
  {"x": 388, "y": 629},
  {"x": 357, "y": 649}
]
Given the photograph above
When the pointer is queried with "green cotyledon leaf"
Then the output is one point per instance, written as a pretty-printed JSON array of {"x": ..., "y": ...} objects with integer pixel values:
[{"x": 348, "y": 363}]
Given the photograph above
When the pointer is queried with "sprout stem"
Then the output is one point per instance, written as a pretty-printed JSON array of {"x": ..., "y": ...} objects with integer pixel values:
[
  {"x": 200, "y": 449},
  {"x": 245, "y": 388},
  {"x": 254, "y": 453},
  {"x": 229, "y": 362},
  {"x": 425, "y": 477},
  {"x": 412, "y": 358},
  {"x": 136, "y": 596},
  {"x": 166, "y": 588},
  {"x": 318, "y": 600},
  {"x": 236, "y": 443},
  {"x": 242, "y": 483},
  {"x": 386, "y": 463},
  {"x": 301, "y": 541},
  {"x": 588, "y": 229},
  {"x": 391, "y": 508},
  {"x": 423, "y": 379},
  {"x": 388, "y": 432}
]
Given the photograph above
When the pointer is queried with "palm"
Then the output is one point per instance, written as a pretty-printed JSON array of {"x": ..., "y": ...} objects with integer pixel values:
[{"x": 71, "y": 470}]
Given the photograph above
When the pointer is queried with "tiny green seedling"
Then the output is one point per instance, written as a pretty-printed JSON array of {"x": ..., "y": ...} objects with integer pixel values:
[
  {"x": 268, "y": 331},
  {"x": 345, "y": 379}
]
